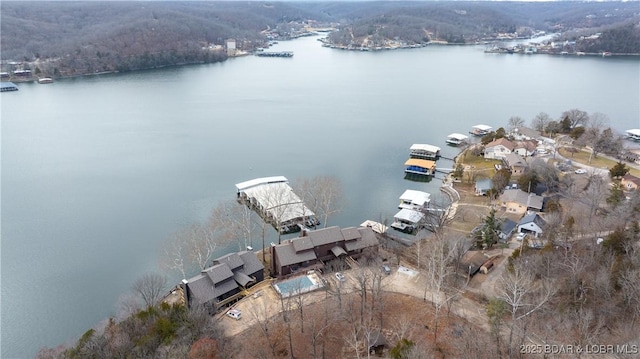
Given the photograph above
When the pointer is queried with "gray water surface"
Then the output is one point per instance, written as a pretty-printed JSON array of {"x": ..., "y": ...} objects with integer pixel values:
[{"x": 97, "y": 172}]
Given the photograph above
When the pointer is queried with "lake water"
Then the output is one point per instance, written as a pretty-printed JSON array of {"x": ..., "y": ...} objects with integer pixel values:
[{"x": 98, "y": 171}]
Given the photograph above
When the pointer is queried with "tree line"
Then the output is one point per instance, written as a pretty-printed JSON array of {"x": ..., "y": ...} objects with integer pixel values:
[{"x": 71, "y": 38}]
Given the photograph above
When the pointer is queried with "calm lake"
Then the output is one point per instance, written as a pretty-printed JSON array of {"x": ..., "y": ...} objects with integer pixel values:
[{"x": 97, "y": 172}]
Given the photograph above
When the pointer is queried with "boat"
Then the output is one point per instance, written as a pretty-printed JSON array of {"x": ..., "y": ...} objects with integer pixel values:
[
  {"x": 416, "y": 200},
  {"x": 457, "y": 139},
  {"x": 45, "y": 80},
  {"x": 420, "y": 167},
  {"x": 480, "y": 130},
  {"x": 423, "y": 151},
  {"x": 633, "y": 134}
]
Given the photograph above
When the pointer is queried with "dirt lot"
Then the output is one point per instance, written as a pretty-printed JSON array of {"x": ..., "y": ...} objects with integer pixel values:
[{"x": 403, "y": 305}]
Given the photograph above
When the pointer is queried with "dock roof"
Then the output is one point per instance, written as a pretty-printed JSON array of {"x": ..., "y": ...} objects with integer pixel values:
[
  {"x": 425, "y": 148},
  {"x": 482, "y": 127},
  {"x": 420, "y": 163},
  {"x": 458, "y": 136},
  {"x": 417, "y": 197},
  {"x": 278, "y": 199},
  {"x": 409, "y": 215},
  {"x": 260, "y": 181}
]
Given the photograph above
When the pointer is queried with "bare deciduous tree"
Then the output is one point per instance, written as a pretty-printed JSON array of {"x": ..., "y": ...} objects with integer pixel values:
[
  {"x": 323, "y": 194},
  {"x": 539, "y": 123},
  {"x": 238, "y": 222},
  {"x": 175, "y": 253},
  {"x": 150, "y": 288},
  {"x": 523, "y": 295},
  {"x": 576, "y": 117},
  {"x": 515, "y": 122}
]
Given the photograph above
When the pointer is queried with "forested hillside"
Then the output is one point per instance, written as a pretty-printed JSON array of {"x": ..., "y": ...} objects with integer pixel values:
[{"x": 71, "y": 38}]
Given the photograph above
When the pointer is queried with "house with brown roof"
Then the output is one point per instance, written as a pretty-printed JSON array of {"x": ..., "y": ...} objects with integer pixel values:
[
  {"x": 518, "y": 202},
  {"x": 630, "y": 182},
  {"x": 313, "y": 248},
  {"x": 498, "y": 149}
]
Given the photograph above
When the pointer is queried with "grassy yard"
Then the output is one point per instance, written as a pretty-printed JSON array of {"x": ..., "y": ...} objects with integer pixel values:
[
  {"x": 600, "y": 162},
  {"x": 479, "y": 163}
]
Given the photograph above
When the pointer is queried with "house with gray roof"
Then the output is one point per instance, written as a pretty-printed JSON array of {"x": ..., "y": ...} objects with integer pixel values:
[
  {"x": 518, "y": 202},
  {"x": 483, "y": 186},
  {"x": 507, "y": 227},
  {"x": 531, "y": 224},
  {"x": 516, "y": 164},
  {"x": 314, "y": 248},
  {"x": 223, "y": 282}
]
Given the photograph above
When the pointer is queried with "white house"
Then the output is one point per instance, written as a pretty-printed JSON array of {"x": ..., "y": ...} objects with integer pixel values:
[
  {"x": 531, "y": 224},
  {"x": 526, "y": 148},
  {"x": 498, "y": 149}
]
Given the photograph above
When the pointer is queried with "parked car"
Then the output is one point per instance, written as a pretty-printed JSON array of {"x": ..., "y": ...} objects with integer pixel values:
[
  {"x": 386, "y": 269},
  {"x": 581, "y": 171},
  {"x": 340, "y": 277},
  {"x": 235, "y": 314},
  {"x": 521, "y": 236}
]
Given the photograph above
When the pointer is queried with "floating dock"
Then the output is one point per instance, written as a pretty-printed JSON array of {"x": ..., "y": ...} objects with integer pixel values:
[
  {"x": 275, "y": 54},
  {"x": 8, "y": 86}
]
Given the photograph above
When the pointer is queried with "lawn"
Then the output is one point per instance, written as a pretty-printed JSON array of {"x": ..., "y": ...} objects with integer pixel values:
[
  {"x": 479, "y": 163},
  {"x": 600, "y": 162}
]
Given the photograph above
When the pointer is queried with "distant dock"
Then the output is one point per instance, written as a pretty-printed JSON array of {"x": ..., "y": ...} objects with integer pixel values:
[
  {"x": 275, "y": 54},
  {"x": 8, "y": 86}
]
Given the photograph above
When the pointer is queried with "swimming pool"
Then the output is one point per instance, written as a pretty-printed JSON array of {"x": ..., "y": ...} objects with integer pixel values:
[{"x": 297, "y": 285}]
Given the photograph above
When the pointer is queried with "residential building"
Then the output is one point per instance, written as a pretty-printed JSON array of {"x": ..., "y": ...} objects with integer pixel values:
[
  {"x": 506, "y": 229},
  {"x": 498, "y": 149},
  {"x": 224, "y": 281},
  {"x": 518, "y": 202},
  {"x": 314, "y": 248},
  {"x": 630, "y": 182},
  {"x": 516, "y": 164},
  {"x": 526, "y": 148},
  {"x": 483, "y": 186},
  {"x": 531, "y": 224}
]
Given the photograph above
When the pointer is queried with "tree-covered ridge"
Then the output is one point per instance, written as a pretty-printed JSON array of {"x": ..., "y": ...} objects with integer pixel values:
[
  {"x": 70, "y": 38},
  {"x": 469, "y": 22}
]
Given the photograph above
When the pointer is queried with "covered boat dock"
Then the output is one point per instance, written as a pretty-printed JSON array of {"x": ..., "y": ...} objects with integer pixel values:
[
  {"x": 412, "y": 199},
  {"x": 420, "y": 167},
  {"x": 423, "y": 151},
  {"x": 407, "y": 220},
  {"x": 274, "y": 200},
  {"x": 633, "y": 134},
  {"x": 457, "y": 139},
  {"x": 480, "y": 130}
]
